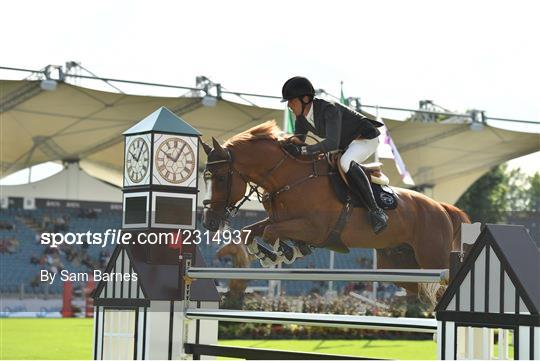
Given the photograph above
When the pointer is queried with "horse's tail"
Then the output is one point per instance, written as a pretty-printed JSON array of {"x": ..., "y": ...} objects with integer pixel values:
[
  {"x": 431, "y": 292},
  {"x": 457, "y": 216}
]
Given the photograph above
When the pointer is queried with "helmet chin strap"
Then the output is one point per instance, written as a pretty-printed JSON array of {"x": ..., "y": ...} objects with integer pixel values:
[{"x": 304, "y": 105}]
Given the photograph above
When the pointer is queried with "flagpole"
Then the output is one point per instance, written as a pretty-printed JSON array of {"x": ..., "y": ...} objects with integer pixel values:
[
  {"x": 331, "y": 266},
  {"x": 376, "y": 155},
  {"x": 375, "y": 284}
]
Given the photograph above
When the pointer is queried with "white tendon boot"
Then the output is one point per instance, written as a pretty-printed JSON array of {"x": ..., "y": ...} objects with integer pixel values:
[
  {"x": 267, "y": 257},
  {"x": 287, "y": 253},
  {"x": 253, "y": 248}
]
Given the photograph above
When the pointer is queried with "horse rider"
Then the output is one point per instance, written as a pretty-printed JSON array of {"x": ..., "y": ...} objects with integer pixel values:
[{"x": 342, "y": 129}]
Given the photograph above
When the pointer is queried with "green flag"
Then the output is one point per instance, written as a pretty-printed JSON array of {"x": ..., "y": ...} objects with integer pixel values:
[
  {"x": 343, "y": 100},
  {"x": 288, "y": 120}
]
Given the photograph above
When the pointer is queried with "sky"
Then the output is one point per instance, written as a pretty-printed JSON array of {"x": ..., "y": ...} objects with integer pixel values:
[{"x": 460, "y": 54}]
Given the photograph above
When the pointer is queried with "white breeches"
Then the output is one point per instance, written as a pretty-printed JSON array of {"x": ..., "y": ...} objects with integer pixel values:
[{"x": 359, "y": 150}]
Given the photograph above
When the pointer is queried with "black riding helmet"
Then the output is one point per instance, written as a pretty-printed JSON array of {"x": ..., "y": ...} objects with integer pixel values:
[{"x": 297, "y": 87}]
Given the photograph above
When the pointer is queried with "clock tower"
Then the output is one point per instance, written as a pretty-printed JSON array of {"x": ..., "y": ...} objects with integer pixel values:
[
  {"x": 160, "y": 173},
  {"x": 141, "y": 315}
]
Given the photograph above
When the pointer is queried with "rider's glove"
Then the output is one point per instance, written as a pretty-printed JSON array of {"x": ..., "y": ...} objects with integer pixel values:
[{"x": 293, "y": 149}]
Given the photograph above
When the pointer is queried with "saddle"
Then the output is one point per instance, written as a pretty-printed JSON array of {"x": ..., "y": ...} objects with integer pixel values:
[{"x": 384, "y": 195}]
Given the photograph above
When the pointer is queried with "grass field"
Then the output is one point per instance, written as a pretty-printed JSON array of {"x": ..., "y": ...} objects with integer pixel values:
[{"x": 72, "y": 339}]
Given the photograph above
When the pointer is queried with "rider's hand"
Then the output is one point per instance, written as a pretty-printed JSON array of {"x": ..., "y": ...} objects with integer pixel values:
[
  {"x": 295, "y": 140},
  {"x": 292, "y": 149}
]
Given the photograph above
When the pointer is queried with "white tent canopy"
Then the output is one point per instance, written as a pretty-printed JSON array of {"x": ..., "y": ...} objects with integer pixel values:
[
  {"x": 76, "y": 123},
  {"x": 69, "y": 184}
]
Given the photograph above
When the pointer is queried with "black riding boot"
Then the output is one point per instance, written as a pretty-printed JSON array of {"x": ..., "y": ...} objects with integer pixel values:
[{"x": 376, "y": 216}]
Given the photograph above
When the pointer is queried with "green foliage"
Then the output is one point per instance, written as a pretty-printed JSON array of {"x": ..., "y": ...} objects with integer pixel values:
[
  {"x": 500, "y": 193},
  {"x": 314, "y": 303},
  {"x": 534, "y": 193}
]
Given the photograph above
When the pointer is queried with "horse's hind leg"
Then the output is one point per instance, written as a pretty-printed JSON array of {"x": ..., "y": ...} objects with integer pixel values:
[
  {"x": 404, "y": 257},
  {"x": 396, "y": 258},
  {"x": 434, "y": 253}
]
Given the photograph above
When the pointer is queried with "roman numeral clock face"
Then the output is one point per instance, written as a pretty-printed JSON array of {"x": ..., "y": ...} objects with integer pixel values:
[
  {"x": 175, "y": 160},
  {"x": 137, "y": 160}
]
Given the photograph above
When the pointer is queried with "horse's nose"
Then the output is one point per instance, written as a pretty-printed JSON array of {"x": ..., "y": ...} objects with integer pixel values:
[{"x": 210, "y": 221}]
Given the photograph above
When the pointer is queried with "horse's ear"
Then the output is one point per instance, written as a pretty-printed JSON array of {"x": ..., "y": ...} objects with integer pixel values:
[
  {"x": 206, "y": 147},
  {"x": 218, "y": 148}
]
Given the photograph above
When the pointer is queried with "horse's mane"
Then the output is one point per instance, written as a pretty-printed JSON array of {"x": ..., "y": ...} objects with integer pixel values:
[{"x": 267, "y": 130}]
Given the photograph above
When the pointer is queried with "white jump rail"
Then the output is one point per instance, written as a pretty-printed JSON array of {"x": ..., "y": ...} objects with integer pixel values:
[
  {"x": 407, "y": 324},
  {"x": 308, "y": 274}
]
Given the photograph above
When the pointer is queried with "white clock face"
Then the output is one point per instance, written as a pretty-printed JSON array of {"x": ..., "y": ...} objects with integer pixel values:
[
  {"x": 175, "y": 160},
  {"x": 137, "y": 160}
]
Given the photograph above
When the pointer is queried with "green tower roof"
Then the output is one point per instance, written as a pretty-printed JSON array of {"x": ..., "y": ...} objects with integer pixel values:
[{"x": 163, "y": 120}]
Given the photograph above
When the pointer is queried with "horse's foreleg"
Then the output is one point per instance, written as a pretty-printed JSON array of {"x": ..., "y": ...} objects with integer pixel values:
[
  {"x": 254, "y": 230},
  {"x": 276, "y": 234},
  {"x": 249, "y": 233},
  {"x": 291, "y": 253},
  {"x": 258, "y": 251}
]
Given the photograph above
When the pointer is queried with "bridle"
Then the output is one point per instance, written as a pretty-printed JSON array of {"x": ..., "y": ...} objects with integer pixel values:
[{"x": 231, "y": 210}]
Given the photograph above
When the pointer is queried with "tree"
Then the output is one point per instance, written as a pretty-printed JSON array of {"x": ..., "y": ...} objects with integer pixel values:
[
  {"x": 534, "y": 194},
  {"x": 501, "y": 193}
]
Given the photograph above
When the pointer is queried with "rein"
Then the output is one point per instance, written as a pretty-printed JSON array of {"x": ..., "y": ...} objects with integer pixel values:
[{"x": 315, "y": 174}]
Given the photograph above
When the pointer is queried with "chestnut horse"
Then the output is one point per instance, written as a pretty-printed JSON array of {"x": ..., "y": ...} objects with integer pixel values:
[
  {"x": 302, "y": 206},
  {"x": 240, "y": 259}
]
